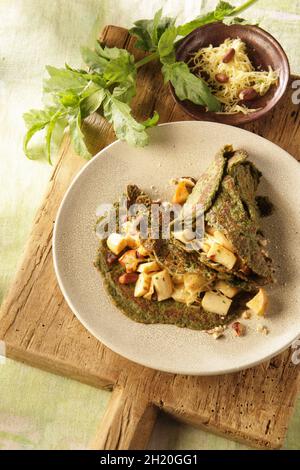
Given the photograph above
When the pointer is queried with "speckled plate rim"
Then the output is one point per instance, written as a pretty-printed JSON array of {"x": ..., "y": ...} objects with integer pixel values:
[{"x": 112, "y": 345}]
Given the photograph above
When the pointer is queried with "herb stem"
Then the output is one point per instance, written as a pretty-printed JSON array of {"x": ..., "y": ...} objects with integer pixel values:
[
  {"x": 147, "y": 59},
  {"x": 155, "y": 55},
  {"x": 243, "y": 7}
]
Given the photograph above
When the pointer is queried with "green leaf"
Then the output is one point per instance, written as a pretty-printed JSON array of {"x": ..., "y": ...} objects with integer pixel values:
[
  {"x": 243, "y": 7},
  {"x": 50, "y": 129},
  {"x": 63, "y": 79},
  {"x": 93, "y": 59},
  {"x": 110, "y": 83},
  {"x": 69, "y": 99},
  {"x": 38, "y": 116},
  {"x": 144, "y": 40},
  {"x": 149, "y": 32},
  {"x": 237, "y": 20},
  {"x": 70, "y": 80},
  {"x": 156, "y": 21},
  {"x": 125, "y": 92},
  {"x": 76, "y": 71},
  {"x": 28, "y": 136},
  {"x": 94, "y": 77},
  {"x": 125, "y": 126},
  {"x": 110, "y": 53},
  {"x": 99, "y": 58},
  {"x": 166, "y": 45},
  {"x": 189, "y": 87},
  {"x": 165, "y": 23},
  {"x": 120, "y": 70},
  {"x": 152, "y": 121},
  {"x": 36, "y": 120},
  {"x": 77, "y": 136},
  {"x": 222, "y": 10},
  {"x": 115, "y": 65},
  {"x": 92, "y": 102},
  {"x": 187, "y": 28}
]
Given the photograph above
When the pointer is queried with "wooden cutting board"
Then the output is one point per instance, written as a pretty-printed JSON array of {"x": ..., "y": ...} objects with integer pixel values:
[{"x": 252, "y": 406}]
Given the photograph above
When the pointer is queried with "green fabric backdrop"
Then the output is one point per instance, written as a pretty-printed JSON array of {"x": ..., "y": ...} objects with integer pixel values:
[{"x": 39, "y": 410}]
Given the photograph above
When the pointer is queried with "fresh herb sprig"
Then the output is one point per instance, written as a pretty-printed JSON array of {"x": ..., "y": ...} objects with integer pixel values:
[
  {"x": 109, "y": 83},
  {"x": 74, "y": 94}
]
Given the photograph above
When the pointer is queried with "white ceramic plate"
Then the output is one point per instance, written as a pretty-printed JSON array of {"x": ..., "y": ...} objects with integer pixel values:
[{"x": 183, "y": 148}]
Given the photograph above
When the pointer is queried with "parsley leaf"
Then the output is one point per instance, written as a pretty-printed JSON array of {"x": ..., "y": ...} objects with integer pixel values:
[
  {"x": 223, "y": 9},
  {"x": 125, "y": 126},
  {"x": 149, "y": 32},
  {"x": 115, "y": 65},
  {"x": 37, "y": 120},
  {"x": 221, "y": 12},
  {"x": 152, "y": 121},
  {"x": 41, "y": 116},
  {"x": 189, "y": 87},
  {"x": 58, "y": 116},
  {"x": 125, "y": 92},
  {"x": 61, "y": 80},
  {"x": 77, "y": 136},
  {"x": 201, "y": 20},
  {"x": 92, "y": 101},
  {"x": 74, "y": 94},
  {"x": 109, "y": 83},
  {"x": 237, "y": 20},
  {"x": 166, "y": 45}
]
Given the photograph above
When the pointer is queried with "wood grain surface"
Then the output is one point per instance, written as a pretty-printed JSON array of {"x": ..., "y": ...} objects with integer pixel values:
[{"x": 251, "y": 406}]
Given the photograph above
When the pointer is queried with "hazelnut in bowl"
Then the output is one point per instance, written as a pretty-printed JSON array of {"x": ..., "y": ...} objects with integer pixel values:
[{"x": 244, "y": 67}]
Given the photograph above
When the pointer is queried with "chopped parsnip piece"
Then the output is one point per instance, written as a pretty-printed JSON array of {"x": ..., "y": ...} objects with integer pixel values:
[
  {"x": 142, "y": 251},
  {"x": 179, "y": 294},
  {"x": 142, "y": 285},
  {"x": 116, "y": 243},
  {"x": 177, "y": 278},
  {"x": 131, "y": 234},
  {"x": 133, "y": 241},
  {"x": 220, "y": 238},
  {"x": 205, "y": 246},
  {"x": 209, "y": 239},
  {"x": 149, "y": 267},
  {"x": 221, "y": 255},
  {"x": 227, "y": 289},
  {"x": 180, "y": 235},
  {"x": 194, "y": 283},
  {"x": 216, "y": 303},
  {"x": 150, "y": 292},
  {"x": 163, "y": 285},
  {"x": 259, "y": 303}
]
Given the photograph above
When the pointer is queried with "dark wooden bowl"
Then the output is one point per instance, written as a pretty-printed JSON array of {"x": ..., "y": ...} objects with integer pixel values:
[{"x": 263, "y": 50}]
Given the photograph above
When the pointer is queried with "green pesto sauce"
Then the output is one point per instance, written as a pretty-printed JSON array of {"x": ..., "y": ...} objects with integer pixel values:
[{"x": 167, "y": 311}]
